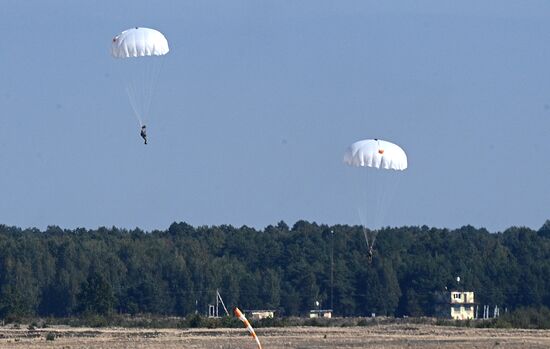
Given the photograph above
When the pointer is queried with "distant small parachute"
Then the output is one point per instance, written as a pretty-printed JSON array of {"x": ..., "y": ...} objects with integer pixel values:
[
  {"x": 378, "y": 187},
  {"x": 141, "y": 50},
  {"x": 241, "y": 317}
]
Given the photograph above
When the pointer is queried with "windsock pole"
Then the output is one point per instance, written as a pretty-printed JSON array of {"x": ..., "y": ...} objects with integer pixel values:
[{"x": 243, "y": 318}]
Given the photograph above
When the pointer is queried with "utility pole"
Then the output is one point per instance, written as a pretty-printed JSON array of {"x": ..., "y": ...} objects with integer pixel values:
[
  {"x": 220, "y": 300},
  {"x": 217, "y": 302},
  {"x": 332, "y": 270}
]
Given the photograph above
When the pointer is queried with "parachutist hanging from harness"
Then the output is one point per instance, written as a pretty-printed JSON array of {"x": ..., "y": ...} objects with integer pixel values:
[
  {"x": 370, "y": 254},
  {"x": 370, "y": 243},
  {"x": 370, "y": 250},
  {"x": 143, "y": 133},
  {"x": 377, "y": 155},
  {"x": 145, "y": 46}
]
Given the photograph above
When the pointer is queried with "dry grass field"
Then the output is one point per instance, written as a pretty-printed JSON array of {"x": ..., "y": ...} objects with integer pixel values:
[{"x": 382, "y": 336}]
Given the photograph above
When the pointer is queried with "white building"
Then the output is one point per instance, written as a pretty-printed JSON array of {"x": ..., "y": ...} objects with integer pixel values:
[
  {"x": 327, "y": 313},
  {"x": 462, "y": 305},
  {"x": 262, "y": 314}
]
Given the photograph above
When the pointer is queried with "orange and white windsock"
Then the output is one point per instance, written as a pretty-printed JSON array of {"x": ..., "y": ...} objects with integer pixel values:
[{"x": 241, "y": 317}]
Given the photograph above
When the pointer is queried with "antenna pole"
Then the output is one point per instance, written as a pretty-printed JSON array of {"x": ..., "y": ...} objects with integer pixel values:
[
  {"x": 221, "y": 300},
  {"x": 331, "y": 270},
  {"x": 217, "y": 301}
]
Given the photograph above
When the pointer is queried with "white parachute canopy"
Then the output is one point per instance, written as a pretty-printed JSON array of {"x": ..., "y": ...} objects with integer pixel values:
[
  {"x": 376, "y": 153},
  {"x": 376, "y": 187},
  {"x": 139, "y": 42},
  {"x": 141, "y": 51}
]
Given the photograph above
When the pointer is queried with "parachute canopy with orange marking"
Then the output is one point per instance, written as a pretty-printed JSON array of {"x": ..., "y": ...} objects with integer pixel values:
[{"x": 376, "y": 153}]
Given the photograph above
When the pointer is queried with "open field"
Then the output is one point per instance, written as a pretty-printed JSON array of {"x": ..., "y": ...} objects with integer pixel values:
[{"x": 383, "y": 336}]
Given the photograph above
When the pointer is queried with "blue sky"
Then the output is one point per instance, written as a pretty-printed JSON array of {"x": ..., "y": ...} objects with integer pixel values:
[{"x": 256, "y": 103}]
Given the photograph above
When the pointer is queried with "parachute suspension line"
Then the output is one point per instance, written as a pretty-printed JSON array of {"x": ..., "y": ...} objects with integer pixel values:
[
  {"x": 374, "y": 235},
  {"x": 363, "y": 227},
  {"x": 384, "y": 199},
  {"x": 130, "y": 91},
  {"x": 384, "y": 158},
  {"x": 373, "y": 189},
  {"x": 146, "y": 88},
  {"x": 141, "y": 87},
  {"x": 363, "y": 213},
  {"x": 370, "y": 188},
  {"x": 154, "y": 73},
  {"x": 151, "y": 72},
  {"x": 387, "y": 196},
  {"x": 379, "y": 208}
]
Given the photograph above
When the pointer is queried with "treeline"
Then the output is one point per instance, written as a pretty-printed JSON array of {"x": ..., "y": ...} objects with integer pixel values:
[{"x": 176, "y": 272}]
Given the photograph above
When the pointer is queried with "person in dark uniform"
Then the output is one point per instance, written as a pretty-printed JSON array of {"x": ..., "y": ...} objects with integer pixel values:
[{"x": 143, "y": 133}]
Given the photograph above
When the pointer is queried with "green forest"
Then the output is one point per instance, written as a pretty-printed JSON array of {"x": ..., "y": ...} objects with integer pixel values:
[{"x": 62, "y": 273}]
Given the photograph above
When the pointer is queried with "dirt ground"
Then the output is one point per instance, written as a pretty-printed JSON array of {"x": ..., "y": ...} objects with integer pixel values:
[{"x": 382, "y": 336}]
